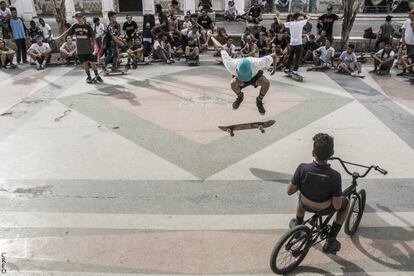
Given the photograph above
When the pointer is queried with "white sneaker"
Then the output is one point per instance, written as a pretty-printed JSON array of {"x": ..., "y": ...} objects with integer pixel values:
[
  {"x": 360, "y": 75},
  {"x": 354, "y": 74},
  {"x": 43, "y": 65},
  {"x": 38, "y": 66}
]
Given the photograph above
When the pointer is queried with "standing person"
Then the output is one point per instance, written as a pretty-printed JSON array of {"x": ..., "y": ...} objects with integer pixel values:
[
  {"x": 99, "y": 30},
  {"x": 112, "y": 41},
  {"x": 408, "y": 36},
  {"x": 246, "y": 72},
  {"x": 46, "y": 30},
  {"x": 206, "y": 26},
  {"x": 348, "y": 63},
  {"x": 85, "y": 40},
  {"x": 40, "y": 52},
  {"x": 296, "y": 43},
  {"x": 5, "y": 15},
  {"x": 130, "y": 28},
  {"x": 383, "y": 60},
  {"x": 18, "y": 32},
  {"x": 326, "y": 22},
  {"x": 385, "y": 33},
  {"x": 174, "y": 7}
]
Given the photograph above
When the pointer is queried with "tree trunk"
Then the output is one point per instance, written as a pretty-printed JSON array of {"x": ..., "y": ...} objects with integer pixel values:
[
  {"x": 351, "y": 8},
  {"x": 59, "y": 11}
]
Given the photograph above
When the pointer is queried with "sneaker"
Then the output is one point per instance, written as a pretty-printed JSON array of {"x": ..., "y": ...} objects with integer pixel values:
[
  {"x": 354, "y": 74},
  {"x": 401, "y": 74},
  {"x": 98, "y": 78},
  {"x": 295, "y": 73},
  {"x": 128, "y": 66},
  {"x": 260, "y": 107},
  {"x": 293, "y": 223},
  {"x": 168, "y": 61},
  {"x": 372, "y": 71},
  {"x": 309, "y": 69},
  {"x": 172, "y": 61},
  {"x": 89, "y": 80},
  {"x": 38, "y": 66},
  {"x": 360, "y": 75},
  {"x": 287, "y": 71},
  {"x": 134, "y": 65},
  {"x": 238, "y": 101},
  {"x": 331, "y": 246}
]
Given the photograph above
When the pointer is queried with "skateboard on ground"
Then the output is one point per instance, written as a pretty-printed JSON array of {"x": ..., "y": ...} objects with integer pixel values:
[
  {"x": 259, "y": 125},
  {"x": 114, "y": 73},
  {"x": 295, "y": 77},
  {"x": 193, "y": 62}
]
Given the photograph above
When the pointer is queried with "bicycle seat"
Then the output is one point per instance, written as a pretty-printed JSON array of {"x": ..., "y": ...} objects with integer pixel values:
[{"x": 324, "y": 212}]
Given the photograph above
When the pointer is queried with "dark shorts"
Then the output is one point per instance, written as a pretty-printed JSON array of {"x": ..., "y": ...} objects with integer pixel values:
[
  {"x": 87, "y": 57},
  {"x": 326, "y": 211},
  {"x": 410, "y": 49},
  {"x": 253, "y": 81}
]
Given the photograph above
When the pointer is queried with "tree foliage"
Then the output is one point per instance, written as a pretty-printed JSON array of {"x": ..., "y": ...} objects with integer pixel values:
[{"x": 59, "y": 11}]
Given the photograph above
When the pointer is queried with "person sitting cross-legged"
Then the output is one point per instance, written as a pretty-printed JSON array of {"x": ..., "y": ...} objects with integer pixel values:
[
  {"x": 383, "y": 60},
  {"x": 320, "y": 190},
  {"x": 348, "y": 63},
  {"x": 323, "y": 57},
  {"x": 68, "y": 50},
  {"x": 40, "y": 52}
]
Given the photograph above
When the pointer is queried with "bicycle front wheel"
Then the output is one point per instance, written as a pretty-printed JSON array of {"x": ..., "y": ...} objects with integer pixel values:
[
  {"x": 290, "y": 250},
  {"x": 355, "y": 213}
]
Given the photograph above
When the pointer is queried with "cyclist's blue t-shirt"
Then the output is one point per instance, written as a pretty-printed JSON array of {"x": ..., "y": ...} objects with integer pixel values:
[{"x": 317, "y": 182}]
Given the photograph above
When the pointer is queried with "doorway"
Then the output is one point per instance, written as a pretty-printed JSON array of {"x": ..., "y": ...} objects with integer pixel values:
[{"x": 130, "y": 5}]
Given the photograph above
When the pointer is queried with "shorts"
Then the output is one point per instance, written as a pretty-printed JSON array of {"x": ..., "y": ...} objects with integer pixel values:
[
  {"x": 253, "y": 80},
  {"x": 86, "y": 57},
  {"x": 321, "y": 61},
  {"x": 327, "y": 211}
]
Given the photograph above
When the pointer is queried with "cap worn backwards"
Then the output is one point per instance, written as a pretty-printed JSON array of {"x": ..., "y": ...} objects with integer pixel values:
[{"x": 244, "y": 70}]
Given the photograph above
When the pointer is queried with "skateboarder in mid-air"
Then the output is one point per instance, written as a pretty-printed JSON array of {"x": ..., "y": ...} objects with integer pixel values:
[{"x": 248, "y": 71}]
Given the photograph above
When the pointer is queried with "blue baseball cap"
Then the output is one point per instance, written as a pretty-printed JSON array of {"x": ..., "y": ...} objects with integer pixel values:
[{"x": 244, "y": 70}]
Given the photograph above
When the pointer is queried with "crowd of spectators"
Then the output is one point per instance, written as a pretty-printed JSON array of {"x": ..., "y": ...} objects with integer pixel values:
[{"x": 188, "y": 35}]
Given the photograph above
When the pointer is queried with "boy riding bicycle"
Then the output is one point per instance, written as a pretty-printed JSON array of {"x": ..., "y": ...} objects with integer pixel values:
[{"x": 320, "y": 190}]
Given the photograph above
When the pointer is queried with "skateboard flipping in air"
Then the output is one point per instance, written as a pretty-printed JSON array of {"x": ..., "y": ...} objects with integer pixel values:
[
  {"x": 246, "y": 72},
  {"x": 256, "y": 125}
]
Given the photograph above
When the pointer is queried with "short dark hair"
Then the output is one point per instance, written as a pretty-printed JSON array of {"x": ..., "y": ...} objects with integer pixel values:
[
  {"x": 228, "y": 38},
  {"x": 158, "y": 8},
  {"x": 323, "y": 146},
  {"x": 2, "y": 2},
  {"x": 352, "y": 46},
  {"x": 329, "y": 40},
  {"x": 111, "y": 13},
  {"x": 388, "y": 18},
  {"x": 95, "y": 19},
  {"x": 12, "y": 9},
  {"x": 312, "y": 36},
  {"x": 296, "y": 15}
]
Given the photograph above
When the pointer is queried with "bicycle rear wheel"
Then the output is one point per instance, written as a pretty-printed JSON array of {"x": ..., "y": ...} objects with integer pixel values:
[
  {"x": 355, "y": 213},
  {"x": 290, "y": 250}
]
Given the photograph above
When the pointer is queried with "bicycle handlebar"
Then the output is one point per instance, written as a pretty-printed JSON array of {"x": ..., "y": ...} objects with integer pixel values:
[{"x": 369, "y": 168}]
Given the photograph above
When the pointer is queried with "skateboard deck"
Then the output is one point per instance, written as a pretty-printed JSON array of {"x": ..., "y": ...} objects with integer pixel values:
[
  {"x": 294, "y": 77},
  {"x": 115, "y": 73},
  {"x": 255, "y": 125}
]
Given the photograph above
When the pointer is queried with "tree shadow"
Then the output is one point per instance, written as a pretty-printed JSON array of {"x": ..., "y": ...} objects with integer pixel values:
[
  {"x": 273, "y": 176},
  {"x": 393, "y": 251},
  {"x": 118, "y": 92}
]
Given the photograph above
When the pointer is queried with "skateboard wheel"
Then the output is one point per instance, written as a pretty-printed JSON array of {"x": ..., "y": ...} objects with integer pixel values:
[
  {"x": 262, "y": 130},
  {"x": 231, "y": 134}
]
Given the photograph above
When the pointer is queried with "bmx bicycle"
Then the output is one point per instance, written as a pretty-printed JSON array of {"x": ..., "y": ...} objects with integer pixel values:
[{"x": 293, "y": 246}]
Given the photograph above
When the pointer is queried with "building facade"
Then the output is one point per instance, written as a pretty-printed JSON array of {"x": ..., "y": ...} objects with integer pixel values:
[{"x": 32, "y": 8}]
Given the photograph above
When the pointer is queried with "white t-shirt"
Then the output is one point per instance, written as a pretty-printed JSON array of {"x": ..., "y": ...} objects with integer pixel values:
[
  {"x": 257, "y": 63},
  {"x": 230, "y": 50},
  {"x": 99, "y": 30},
  {"x": 232, "y": 9},
  {"x": 157, "y": 44},
  {"x": 326, "y": 54},
  {"x": 40, "y": 49},
  {"x": 386, "y": 56},
  {"x": 296, "y": 28},
  {"x": 409, "y": 32},
  {"x": 45, "y": 30},
  {"x": 5, "y": 13}
]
